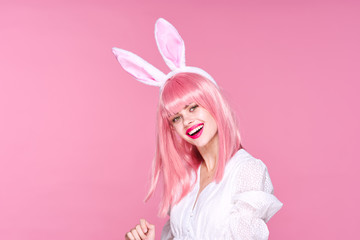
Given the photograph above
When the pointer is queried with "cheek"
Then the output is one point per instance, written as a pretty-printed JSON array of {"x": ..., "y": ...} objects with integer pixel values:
[
  {"x": 181, "y": 137},
  {"x": 177, "y": 137},
  {"x": 178, "y": 132},
  {"x": 214, "y": 127}
]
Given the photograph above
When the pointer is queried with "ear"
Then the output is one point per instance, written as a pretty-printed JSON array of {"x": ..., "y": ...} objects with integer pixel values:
[
  {"x": 170, "y": 44},
  {"x": 139, "y": 68}
]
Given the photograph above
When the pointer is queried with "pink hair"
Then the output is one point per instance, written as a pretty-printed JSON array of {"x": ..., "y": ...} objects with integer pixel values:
[{"x": 175, "y": 159}]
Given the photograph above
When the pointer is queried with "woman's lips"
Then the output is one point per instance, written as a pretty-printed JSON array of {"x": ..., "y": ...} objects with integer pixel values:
[{"x": 198, "y": 134}]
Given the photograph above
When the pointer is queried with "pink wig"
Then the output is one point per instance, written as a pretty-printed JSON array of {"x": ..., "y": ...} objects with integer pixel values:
[{"x": 175, "y": 159}]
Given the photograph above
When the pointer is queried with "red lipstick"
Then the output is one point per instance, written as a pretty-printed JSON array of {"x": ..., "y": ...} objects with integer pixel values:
[{"x": 195, "y": 134}]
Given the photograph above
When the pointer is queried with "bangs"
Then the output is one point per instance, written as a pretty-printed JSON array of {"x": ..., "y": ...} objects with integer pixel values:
[{"x": 178, "y": 92}]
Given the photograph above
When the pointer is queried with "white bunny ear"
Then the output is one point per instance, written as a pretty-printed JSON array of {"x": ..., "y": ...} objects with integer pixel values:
[
  {"x": 139, "y": 68},
  {"x": 170, "y": 44}
]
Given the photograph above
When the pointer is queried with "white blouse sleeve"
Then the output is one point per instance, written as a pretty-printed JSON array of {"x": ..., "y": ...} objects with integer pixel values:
[
  {"x": 254, "y": 202},
  {"x": 166, "y": 233}
]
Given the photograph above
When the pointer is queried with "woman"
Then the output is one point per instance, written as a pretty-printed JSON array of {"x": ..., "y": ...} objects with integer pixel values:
[{"x": 213, "y": 188}]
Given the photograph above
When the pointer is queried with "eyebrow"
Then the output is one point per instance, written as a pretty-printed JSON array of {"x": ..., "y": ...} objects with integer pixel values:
[{"x": 186, "y": 106}]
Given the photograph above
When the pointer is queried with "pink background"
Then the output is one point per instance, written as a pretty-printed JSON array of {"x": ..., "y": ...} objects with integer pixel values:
[{"x": 77, "y": 133}]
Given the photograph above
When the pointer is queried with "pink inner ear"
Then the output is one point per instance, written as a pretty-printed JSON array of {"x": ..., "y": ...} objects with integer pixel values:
[
  {"x": 136, "y": 71},
  {"x": 170, "y": 43}
]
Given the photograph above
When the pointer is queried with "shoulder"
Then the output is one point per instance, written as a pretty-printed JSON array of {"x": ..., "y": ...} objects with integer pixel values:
[
  {"x": 243, "y": 162},
  {"x": 248, "y": 173}
]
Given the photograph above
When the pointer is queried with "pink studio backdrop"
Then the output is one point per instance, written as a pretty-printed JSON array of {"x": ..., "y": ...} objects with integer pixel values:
[{"x": 77, "y": 133}]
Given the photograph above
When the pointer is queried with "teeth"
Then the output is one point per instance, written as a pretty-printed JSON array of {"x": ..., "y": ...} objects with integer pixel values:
[{"x": 195, "y": 130}]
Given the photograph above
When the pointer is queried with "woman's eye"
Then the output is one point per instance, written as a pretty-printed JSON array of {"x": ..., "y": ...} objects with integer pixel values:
[
  {"x": 175, "y": 119},
  {"x": 193, "y": 108}
]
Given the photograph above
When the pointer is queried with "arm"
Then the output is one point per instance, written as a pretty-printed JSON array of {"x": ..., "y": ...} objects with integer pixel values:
[{"x": 254, "y": 202}]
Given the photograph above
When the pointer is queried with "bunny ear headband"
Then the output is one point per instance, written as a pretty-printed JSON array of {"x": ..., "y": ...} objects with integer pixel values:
[{"x": 172, "y": 49}]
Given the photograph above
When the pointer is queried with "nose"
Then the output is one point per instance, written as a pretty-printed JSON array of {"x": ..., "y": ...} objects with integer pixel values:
[{"x": 187, "y": 120}]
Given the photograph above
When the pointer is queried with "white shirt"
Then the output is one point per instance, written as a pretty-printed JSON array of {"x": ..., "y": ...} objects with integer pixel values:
[{"x": 237, "y": 207}]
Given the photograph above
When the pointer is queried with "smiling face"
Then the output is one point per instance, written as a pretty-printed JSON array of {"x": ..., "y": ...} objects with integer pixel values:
[{"x": 195, "y": 125}]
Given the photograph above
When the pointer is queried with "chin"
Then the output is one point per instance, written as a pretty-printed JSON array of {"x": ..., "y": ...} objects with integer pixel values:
[{"x": 200, "y": 144}]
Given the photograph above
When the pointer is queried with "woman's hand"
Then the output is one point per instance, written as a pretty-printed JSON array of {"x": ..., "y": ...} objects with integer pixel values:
[{"x": 144, "y": 230}]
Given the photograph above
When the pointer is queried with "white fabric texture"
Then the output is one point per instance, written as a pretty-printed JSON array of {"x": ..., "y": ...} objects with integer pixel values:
[{"x": 237, "y": 207}]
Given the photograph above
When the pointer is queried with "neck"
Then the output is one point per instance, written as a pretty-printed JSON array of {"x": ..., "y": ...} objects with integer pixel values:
[{"x": 210, "y": 153}]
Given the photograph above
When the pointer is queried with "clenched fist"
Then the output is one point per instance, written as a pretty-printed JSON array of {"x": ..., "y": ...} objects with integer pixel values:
[{"x": 142, "y": 231}]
